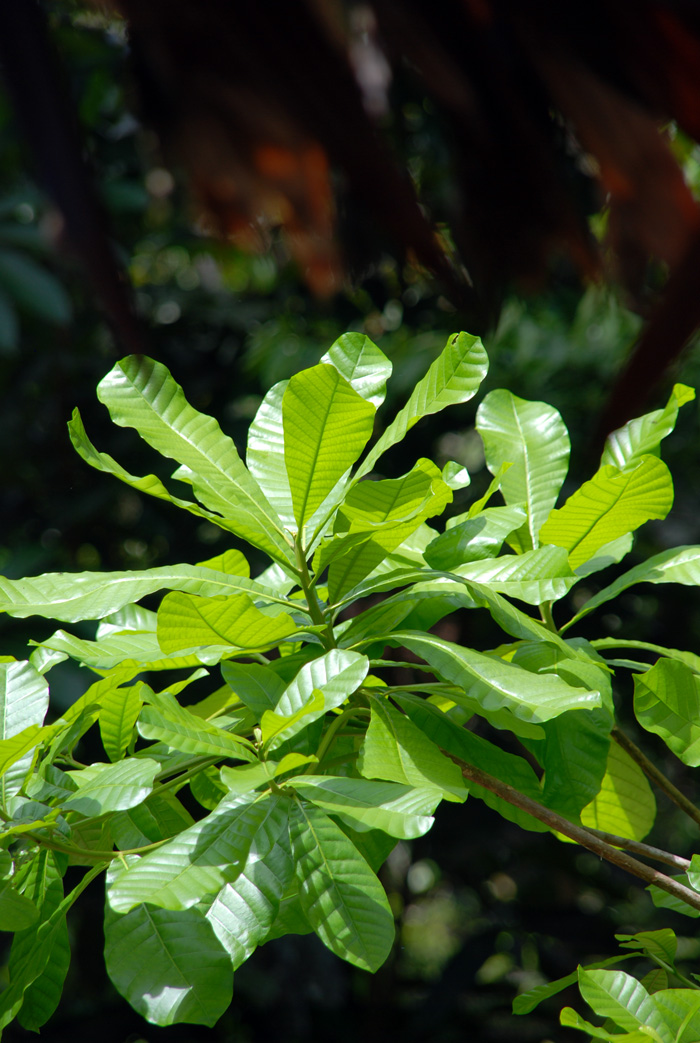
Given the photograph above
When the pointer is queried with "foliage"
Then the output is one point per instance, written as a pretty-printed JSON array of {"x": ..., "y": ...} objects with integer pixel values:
[{"x": 260, "y": 760}]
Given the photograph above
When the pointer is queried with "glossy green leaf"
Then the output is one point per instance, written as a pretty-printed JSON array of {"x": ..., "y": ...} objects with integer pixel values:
[
  {"x": 175, "y": 725},
  {"x": 453, "y": 377},
  {"x": 644, "y": 434},
  {"x": 474, "y": 539},
  {"x": 168, "y": 964},
  {"x": 195, "y": 863},
  {"x": 667, "y": 702},
  {"x": 663, "y": 900},
  {"x": 340, "y": 895},
  {"x": 401, "y": 811},
  {"x": 396, "y": 750},
  {"x": 92, "y": 595},
  {"x": 24, "y": 699},
  {"x": 118, "y": 715},
  {"x": 570, "y": 1019},
  {"x": 112, "y": 787},
  {"x": 625, "y": 804},
  {"x": 619, "y": 996},
  {"x": 160, "y": 817},
  {"x": 608, "y": 554},
  {"x": 243, "y": 912},
  {"x": 678, "y": 565},
  {"x": 680, "y": 1011},
  {"x": 326, "y": 427},
  {"x": 532, "y": 437},
  {"x": 337, "y": 674},
  {"x": 276, "y": 728},
  {"x": 265, "y": 454},
  {"x": 148, "y": 484},
  {"x": 497, "y": 684},
  {"x": 187, "y": 621},
  {"x": 390, "y": 511},
  {"x": 534, "y": 576},
  {"x": 141, "y": 393},
  {"x": 608, "y": 506},
  {"x": 365, "y": 367}
]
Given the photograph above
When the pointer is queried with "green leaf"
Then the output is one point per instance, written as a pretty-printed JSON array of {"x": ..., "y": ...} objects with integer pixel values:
[
  {"x": 497, "y": 684},
  {"x": 678, "y": 565},
  {"x": 570, "y": 1019},
  {"x": 112, "y": 787},
  {"x": 608, "y": 506},
  {"x": 474, "y": 539},
  {"x": 265, "y": 454},
  {"x": 326, "y": 427},
  {"x": 667, "y": 703},
  {"x": 608, "y": 554},
  {"x": 625, "y": 804},
  {"x": 619, "y": 996},
  {"x": 43, "y": 885},
  {"x": 643, "y": 435},
  {"x": 662, "y": 943},
  {"x": 401, "y": 811},
  {"x": 187, "y": 621},
  {"x": 92, "y": 595},
  {"x": 16, "y": 911},
  {"x": 141, "y": 393},
  {"x": 532, "y": 437},
  {"x": 169, "y": 965},
  {"x": 160, "y": 817},
  {"x": 365, "y": 367},
  {"x": 24, "y": 699},
  {"x": 148, "y": 484},
  {"x": 340, "y": 895},
  {"x": 453, "y": 377},
  {"x": 337, "y": 674},
  {"x": 390, "y": 511},
  {"x": 197, "y": 862},
  {"x": 243, "y": 912},
  {"x": 255, "y": 685},
  {"x": 276, "y": 728},
  {"x": 396, "y": 750},
  {"x": 178, "y": 727},
  {"x": 534, "y": 576},
  {"x": 663, "y": 900},
  {"x": 118, "y": 715},
  {"x": 475, "y": 750},
  {"x": 680, "y": 1010}
]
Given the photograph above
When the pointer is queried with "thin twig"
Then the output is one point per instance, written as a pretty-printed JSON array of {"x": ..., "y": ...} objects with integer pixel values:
[
  {"x": 653, "y": 773},
  {"x": 584, "y": 837},
  {"x": 656, "y": 854}
]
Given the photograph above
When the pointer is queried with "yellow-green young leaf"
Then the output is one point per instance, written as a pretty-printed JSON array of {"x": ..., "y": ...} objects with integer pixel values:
[
  {"x": 453, "y": 377},
  {"x": 120, "y": 710},
  {"x": 232, "y": 562},
  {"x": 141, "y": 393},
  {"x": 396, "y": 750},
  {"x": 656, "y": 944},
  {"x": 625, "y": 804},
  {"x": 186, "y": 621},
  {"x": 532, "y": 437},
  {"x": 363, "y": 365},
  {"x": 173, "y": 724},
  {"x": 276, "y": 727},
  {"x": 667, "y": 702},
  {"x": 390, "y": 511},
  {"x": 610, "y": 505},
  {"x": 112, "y": 787},
  {"x": 340, "y": 895},
  {"x": 644, "y": 434},
  {"x": 326, "y": 427}
]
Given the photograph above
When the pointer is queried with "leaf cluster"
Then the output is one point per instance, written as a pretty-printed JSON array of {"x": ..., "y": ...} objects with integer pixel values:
[{"x": 260, "y": 762}]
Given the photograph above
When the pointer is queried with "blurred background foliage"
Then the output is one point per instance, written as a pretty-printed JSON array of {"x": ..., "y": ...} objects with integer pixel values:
[{"x": 483, "y": 909}]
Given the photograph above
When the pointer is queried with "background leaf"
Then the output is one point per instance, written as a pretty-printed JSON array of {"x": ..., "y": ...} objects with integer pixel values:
[{"x": 667, "y": 702}]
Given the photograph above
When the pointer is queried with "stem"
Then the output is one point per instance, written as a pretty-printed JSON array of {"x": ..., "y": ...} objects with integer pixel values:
[
  {"x": 653, "y": 773},
  {"x": 584, "y": 837},
  {"x": 330, "y": 735},
  {"x": 309, "y": 588},
  {"x": 656, "y": 854},
  {"x": 547, "y": 617}
]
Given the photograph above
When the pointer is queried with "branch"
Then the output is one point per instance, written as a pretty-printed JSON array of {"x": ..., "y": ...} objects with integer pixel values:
[
  {"x": 582, "y": 836},
  {"x": 656, "y": 854},
  {"x": 653, "y": 773}
]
